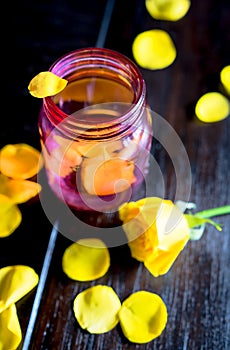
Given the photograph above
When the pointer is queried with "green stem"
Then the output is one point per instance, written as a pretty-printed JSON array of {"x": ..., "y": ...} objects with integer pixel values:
[{"x": 208, "y": 213}]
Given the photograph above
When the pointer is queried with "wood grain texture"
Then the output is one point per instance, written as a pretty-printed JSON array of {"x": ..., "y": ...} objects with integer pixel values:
[{"x": 196, "y": 290}]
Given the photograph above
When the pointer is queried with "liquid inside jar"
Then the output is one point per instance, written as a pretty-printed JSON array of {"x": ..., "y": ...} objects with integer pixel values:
[{"x": 92, "y": 91}]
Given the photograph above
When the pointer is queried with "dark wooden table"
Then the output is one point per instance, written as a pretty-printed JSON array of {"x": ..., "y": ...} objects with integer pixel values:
[{"x": 197, "y": 288}]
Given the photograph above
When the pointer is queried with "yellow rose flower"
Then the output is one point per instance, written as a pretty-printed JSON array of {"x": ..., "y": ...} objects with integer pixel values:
[{"x": 157, "y": 231}]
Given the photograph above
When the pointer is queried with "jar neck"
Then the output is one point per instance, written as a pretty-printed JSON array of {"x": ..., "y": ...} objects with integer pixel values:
[{"x": 112, "y": 98}]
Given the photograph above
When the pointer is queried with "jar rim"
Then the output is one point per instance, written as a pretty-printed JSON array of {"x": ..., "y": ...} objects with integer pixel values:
[{"x": 111, "y": 59}]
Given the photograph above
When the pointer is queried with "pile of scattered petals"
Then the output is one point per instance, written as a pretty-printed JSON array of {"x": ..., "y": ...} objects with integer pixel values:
[
  {"x": 15, "y": 282},
  {"x": 86, "y": 260},
  {"x": 18, "y": 163},
  {"x": 96, "y": 309},
  {"x": 169, "y": 10},
  {"x": 157, "y": 232},
  {"x": 154, "y": 49},
  {"x": 143, "y": 316},
  {"x": 212, "y": 107},
  {"x": 46, "y": 84}
]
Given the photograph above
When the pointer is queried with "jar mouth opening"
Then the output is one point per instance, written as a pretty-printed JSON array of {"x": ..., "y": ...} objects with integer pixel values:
[{"x": 102, "y": 64}]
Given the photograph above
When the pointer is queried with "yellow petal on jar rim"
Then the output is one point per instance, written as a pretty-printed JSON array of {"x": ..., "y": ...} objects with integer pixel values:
[
  {"x": 10, "y": 216},
  {"x": 15, "y": 282},
  {"x": 86, "y": 260},
  {"x": 154, "y": 49},
  {"x": 143, "y": 316},
  {"x": 46, "y": 84},
  {"x": 20, "y": 161},
  {"x": 19, "y": 191},
  {"x": 212, "y": 107},
  {"x": 10, "y": 330},
  {"x": 225, "y": 78},
  {"x": 96, "y": 309},
  {"x": 169, "y": 10}
]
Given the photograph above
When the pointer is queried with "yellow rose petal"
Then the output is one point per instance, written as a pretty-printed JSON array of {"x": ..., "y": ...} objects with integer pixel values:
[
  {"x": 154, "y": 49},
  {"x": 225, "y": 78},
  {"x": 15, "y": 282},
  {"x": 63, "y": 158},
  {"x": 212, "y": 107},
  {"x": 96, "y": 309},
  {"x": 20, "y": 161},
  {"x": 107, "y": 177},
  {"x": 169, "y": 10},
  {"x": 143, "y": 316},
  {"x": 10, "y": 216},
  {"x": 86, "y": 260},
  {"x": 10, "y": 330},
  {"x": 19, "y": 191},
  {"x": 160, "y": 262},
  {"x": 46, "y": 84}
]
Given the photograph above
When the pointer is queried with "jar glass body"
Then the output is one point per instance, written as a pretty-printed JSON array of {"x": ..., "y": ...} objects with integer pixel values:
[{"x": 96, "y": 134}]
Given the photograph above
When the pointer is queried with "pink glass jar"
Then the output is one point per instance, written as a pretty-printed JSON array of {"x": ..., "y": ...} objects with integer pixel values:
[{"x": 96, "y": 134}]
